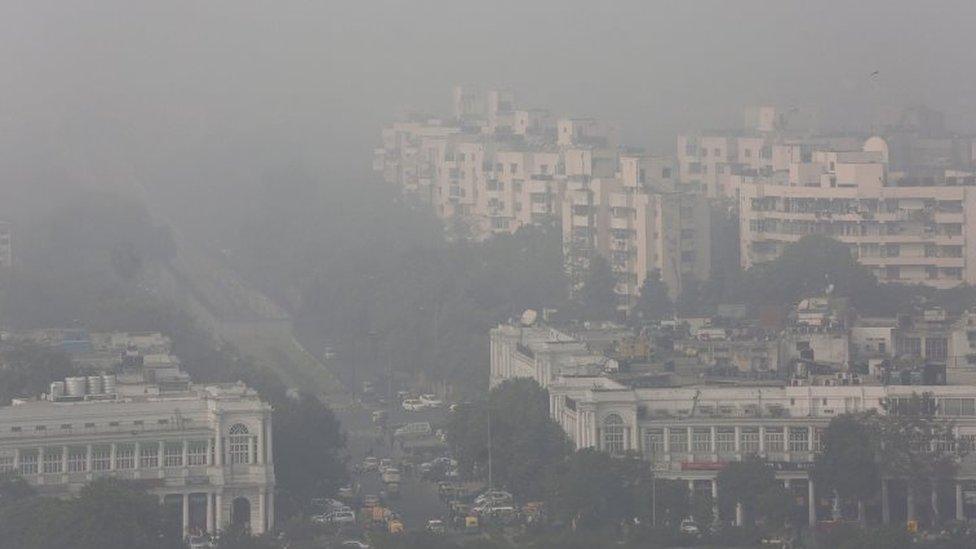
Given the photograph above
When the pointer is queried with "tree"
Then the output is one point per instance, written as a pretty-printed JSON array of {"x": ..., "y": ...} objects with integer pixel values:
[
  {"x": 849, "y": 462},
  {"x": 752, "y": 484},
  {"x": 308, "y": 441},
  {"x": 597, "y": 298},
  {"x": 593, "y": 490},
  {"x": 29, "y": 368},
  {"x": 524, "y": 439},
  {"x": 654, "y": 303},
  {"x": 107, "y": 514}
]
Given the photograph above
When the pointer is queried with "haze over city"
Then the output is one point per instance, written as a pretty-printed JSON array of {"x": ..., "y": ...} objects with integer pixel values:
[{"x": 500, "y": 274}]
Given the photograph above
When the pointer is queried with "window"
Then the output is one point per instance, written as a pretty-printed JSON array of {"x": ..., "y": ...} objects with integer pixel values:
[
  {"x": 149, "y": 455},
  {"x": 77, "y": 460},
  {"x": 936, "y": 348},
  {"x": 52, "y": 460},
  {"x": 653, "y": 442},
  {"x": 799, "y": 439},
  {"x": 749, "y": 441},
  {"x": 125, "y": 456},
  {"x": 197, "y": 453},
  {"x": 911, "y": 346},
  {"x": 701, "y": 440},
  {"x": 725, "y": 440},
  {"x": 65, "y": 426},
  {"x": 101, "y": 458},
  {"x": 678, "y": 440},
  {"x": 957, "y": 407},
  {"x": 173, "y": 454},
  {"x": 238, "y": 446},
  {"x": 513, "y": 167},
  {"x": 28, "y": 463},
  {"x": 774, "y": 439},
  {"x": 613, "y": 435},
  {"x": 6, "y": 462},
  {"x": 748, "y": 153}
]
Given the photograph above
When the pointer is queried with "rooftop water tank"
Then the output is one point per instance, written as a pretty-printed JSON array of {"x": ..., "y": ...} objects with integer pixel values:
[
  {"x": 94, "y": 385},
  {"x": 75, "y": 386},
  {"x": 108, "y": 383},
  {"x": 57, "y": 390}
]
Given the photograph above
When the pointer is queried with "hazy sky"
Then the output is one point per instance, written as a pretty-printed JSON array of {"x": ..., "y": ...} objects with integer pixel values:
[{"x": 118, "y": 90}]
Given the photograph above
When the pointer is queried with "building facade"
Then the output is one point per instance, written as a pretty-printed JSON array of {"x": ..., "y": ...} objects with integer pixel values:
[
  {"x": 691, "y": 433},
  {"x": 205, "y": 451}
]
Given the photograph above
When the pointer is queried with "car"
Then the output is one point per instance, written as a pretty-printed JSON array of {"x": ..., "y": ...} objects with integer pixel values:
[
  {"x": 371, "y": 463},
  {"x": 413, "y": 404},
  {"x": 201, "y": 542},
  {"x": 384, "y": 464},
  {"x": 431, "y": 401},
  {"x": 354, "y": 544},
  {"x": 347, "y": 492},
  {"x": 436, "y": 526},
  {"x": 393, "y": 490},
  {"x": 688, "y": 526},
  {"x": 391, "y": 474},
  {"x": 341, "y": 517},
  {"x": 371, "y": 500},
  {"x": 419, "y": 429},
  {"x": 496, "y": 497},
  {"x": 378, "y": 417}
]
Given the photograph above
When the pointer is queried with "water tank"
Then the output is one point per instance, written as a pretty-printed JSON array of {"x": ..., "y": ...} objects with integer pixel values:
[
  {"x": 57, "y": 390},
  {"x": 94, "y": 385},
  {"x": 108, "y": 383},
  {"x": 75, "y": 386}
]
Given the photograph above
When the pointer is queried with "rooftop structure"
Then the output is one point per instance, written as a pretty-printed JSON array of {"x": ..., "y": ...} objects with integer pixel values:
[{"x": 205, "y": 450}]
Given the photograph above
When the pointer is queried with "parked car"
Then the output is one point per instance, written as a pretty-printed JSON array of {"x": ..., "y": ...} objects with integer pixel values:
[
  {"x": 393, "y": 490},
  {"x": 431, "y": 401},
  {"x": 347, "y": 492},
  {"x": 342, "y": 517},
  {"x": 354, "y": 544},
  {"x": 688, "y": 526},
  {"x": 436, "y": 526},
  {"x": 413, "y": 404},
  {"x": 384, "y": 464},
  {"x": 378, "y": 417},
  {"x": 494, "y": 497}
]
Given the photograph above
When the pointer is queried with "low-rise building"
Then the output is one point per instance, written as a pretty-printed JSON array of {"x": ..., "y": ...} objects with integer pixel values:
[{"x": 204, "y": 450}]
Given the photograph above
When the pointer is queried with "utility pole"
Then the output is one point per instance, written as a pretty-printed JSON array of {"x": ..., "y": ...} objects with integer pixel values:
[{"x": 491, "y": 485}]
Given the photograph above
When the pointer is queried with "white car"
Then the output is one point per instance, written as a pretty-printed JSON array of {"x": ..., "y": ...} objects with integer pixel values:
[
  {"x": 341, "y": 517},
  {"x": 413, "y": 405},
  {"x": 431, "y": 401},
  {"x": 496, "y": 497},
  {"x": 688, "y": 526},
  {"x": 201, "y": 542}
]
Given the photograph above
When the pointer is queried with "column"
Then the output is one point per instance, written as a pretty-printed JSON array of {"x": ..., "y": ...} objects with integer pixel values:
[
  {"x": 64, "y": 460},
  {"x": 739, "y": 514},
  {"x": 210, "y": 513},
  {"x": 811, "y": 503},
  {"x": 885, "y": 505},
  {"x": 262, "y": 516},
  {"x": 910, "y": 496},
  {"x": 186, "y": 514},
  {"x": 738, "y": 434},
  {"x": 219, "y": 457},
  {"x": 712, "y": 443},
  {"x": 250, "y": 449},
  {"x": 137, "y": 456},
  {"x": 269, "y": 442},
  {"x": 17, "y": 460},
  {"x": 218, "y": 512},
  {"x": 160, "y": 454},
  {"x": 936, "y": 518},
  {"x": 186, "y": 453},
  {"x": 960, "y": 509},
  {"x": 210, "y": 452},
  {"x": 691, "y": 487},
  {"x": 689, "y": 434},
  {"x": 111, "y": 458},
  {"x": 259, "y": 455},
  {"x": 271, "y": 509},
  {"x": 762, "y": 440},
  {"x": 88, "y": 459},
  {"x": 666, "y": 433},
  {"x": 591, "y": 421},
  {"x": 715, "y": 518}
]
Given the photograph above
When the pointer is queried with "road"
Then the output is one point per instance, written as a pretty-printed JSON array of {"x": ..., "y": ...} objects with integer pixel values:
[{"x": 418, "y": 501}]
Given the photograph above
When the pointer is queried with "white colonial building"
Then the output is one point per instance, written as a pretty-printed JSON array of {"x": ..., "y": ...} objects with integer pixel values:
[
  {"x": 691, "y": 433},
  {"x": 205, "y": 451}
]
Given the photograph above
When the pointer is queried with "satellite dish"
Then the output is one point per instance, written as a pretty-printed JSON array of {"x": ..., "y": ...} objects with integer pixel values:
[{"x": 529, "y": 317}]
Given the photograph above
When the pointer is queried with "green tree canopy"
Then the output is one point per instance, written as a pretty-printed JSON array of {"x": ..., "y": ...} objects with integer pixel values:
[
  {"x": 654, "y": 303},
  {"x": 597, "y": 298}
]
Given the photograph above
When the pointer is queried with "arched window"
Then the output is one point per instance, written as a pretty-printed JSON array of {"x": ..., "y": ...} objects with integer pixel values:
[
  {"x": 238, "y": 444},
  {"x": 240, "y": 511},
  {"x": 613, "y": 434}
]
